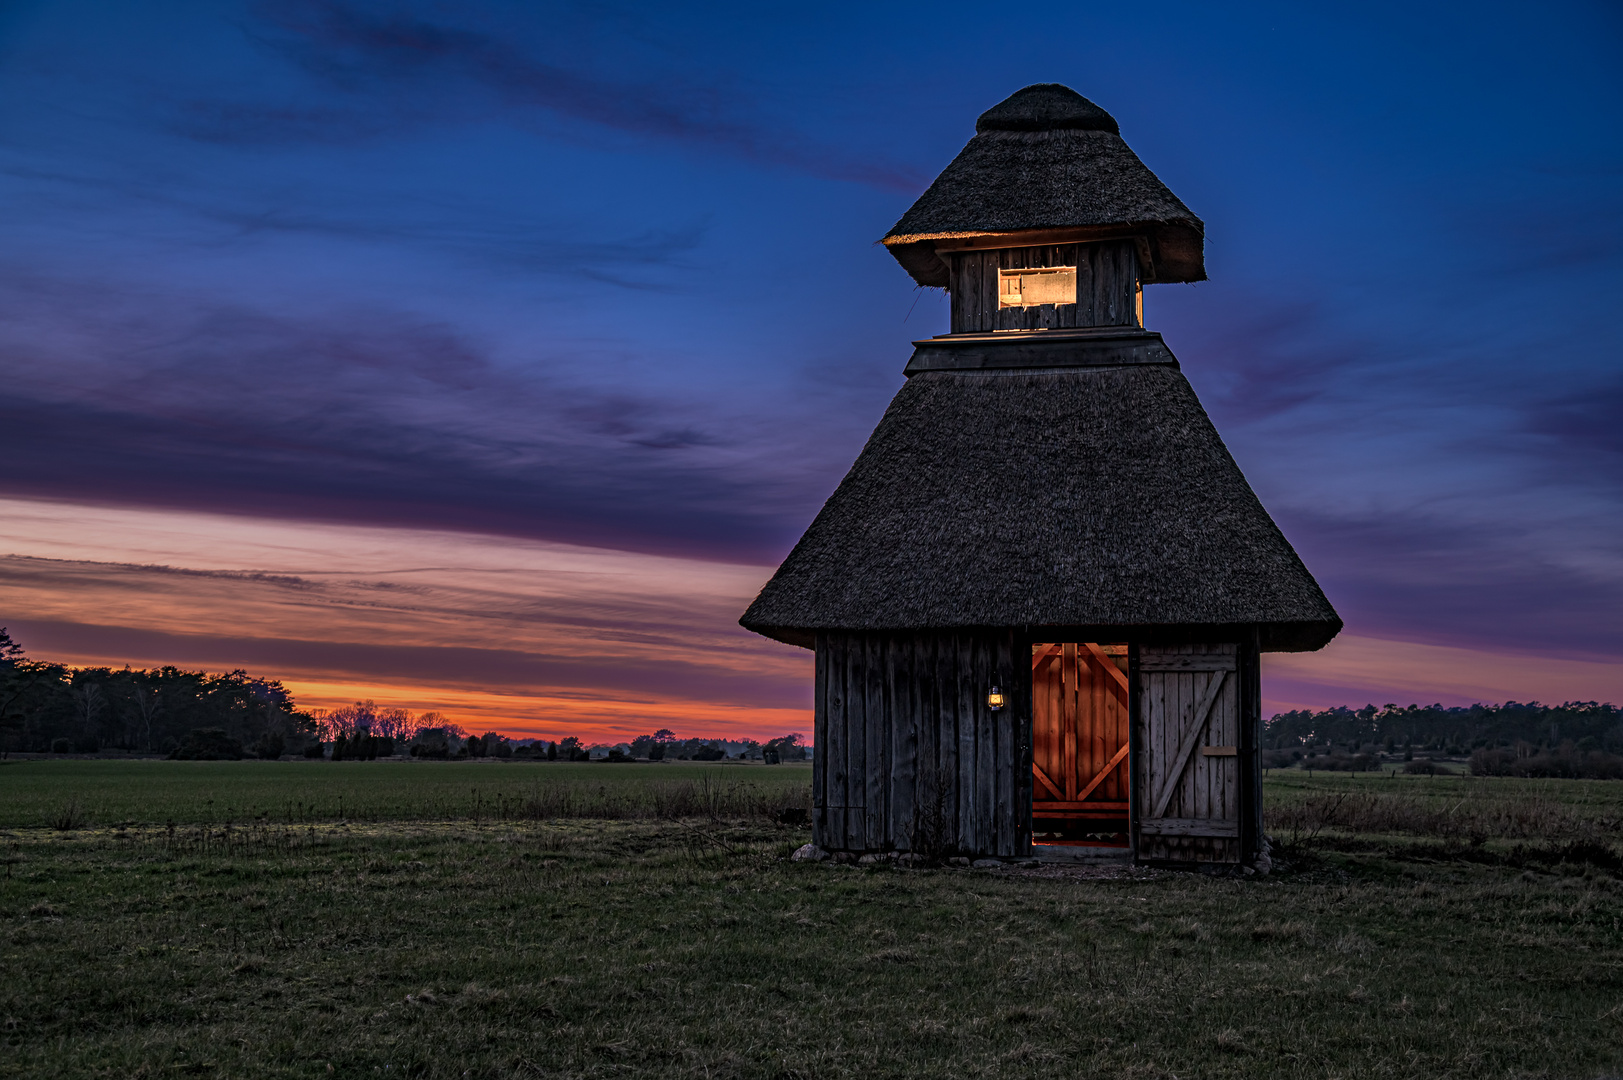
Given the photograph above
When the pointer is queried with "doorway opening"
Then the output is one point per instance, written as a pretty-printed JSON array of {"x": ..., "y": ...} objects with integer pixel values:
[{"x": 1079, "y": 725}]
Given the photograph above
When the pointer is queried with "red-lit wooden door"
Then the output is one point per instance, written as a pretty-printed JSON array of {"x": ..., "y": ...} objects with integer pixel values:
[{"x": 1079, "y": 721}]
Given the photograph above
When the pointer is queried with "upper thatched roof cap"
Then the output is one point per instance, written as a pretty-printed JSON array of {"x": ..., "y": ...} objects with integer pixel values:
[
  {"x": 1046, "y": 107},
  {"x": 1048, "y": 158},
  {"x": 1096, "y": 498}
]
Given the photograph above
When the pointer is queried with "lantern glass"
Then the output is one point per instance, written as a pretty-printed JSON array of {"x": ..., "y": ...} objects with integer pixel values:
[{"x": 995, "y": 699}]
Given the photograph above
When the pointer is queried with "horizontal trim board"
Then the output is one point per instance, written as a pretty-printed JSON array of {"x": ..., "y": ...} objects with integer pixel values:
[
  {"x": 1020, "y": 350},
  {"x": 1188, "y": 663},
  {"x": 1219, "y": 751},
  {"x": 1060, "y": 804},
  {"x": 1190, "y": 827},
  {"x": 1072, "y": 334},
  {"x": 1079, "y": 815}
]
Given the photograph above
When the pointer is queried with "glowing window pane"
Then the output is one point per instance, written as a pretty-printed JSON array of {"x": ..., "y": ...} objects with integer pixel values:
[{"x": 1043, "y": 285}]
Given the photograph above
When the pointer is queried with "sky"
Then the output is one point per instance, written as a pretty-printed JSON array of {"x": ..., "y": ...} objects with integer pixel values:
[{"x": 487, "y": 357}]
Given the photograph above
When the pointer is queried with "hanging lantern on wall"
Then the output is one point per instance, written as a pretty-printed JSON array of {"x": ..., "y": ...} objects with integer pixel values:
[{"x": 995, "y": 699}]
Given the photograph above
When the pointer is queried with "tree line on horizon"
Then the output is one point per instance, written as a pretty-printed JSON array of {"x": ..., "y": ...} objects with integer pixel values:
[
  {"x": 1577, "y": 739},
  {"x": 47, "y": 707},
  {"x": 50, "y": 707}
]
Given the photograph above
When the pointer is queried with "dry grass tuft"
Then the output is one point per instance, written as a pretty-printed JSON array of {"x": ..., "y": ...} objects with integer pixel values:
[{"x": 1289, "y": 930}]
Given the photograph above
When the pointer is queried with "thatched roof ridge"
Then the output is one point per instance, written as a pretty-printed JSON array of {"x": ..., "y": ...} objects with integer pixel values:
[
  {"x": 1048, "y": 158},
  {"x": 1099, "y": 497},
  {"x": 1046, "y": 107}
]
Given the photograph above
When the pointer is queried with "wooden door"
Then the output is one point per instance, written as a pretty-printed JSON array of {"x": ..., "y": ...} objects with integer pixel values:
[
  {"x": 1189, "y": 761},
  {"x": 1080, "y": 778}
]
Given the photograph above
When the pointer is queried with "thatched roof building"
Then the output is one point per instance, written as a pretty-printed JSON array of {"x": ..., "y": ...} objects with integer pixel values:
[{"x": 1044, "y": 584}]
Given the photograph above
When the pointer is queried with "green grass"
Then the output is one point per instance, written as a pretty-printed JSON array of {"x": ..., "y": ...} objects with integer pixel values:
[
  {"x": 1286, "y": 786},
  {"x": 570, "y": 948},
  {"x": 40, "y": 792}
]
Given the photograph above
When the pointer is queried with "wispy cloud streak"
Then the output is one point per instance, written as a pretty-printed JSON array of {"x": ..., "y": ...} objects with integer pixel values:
[{"x": 406, "y": 67}]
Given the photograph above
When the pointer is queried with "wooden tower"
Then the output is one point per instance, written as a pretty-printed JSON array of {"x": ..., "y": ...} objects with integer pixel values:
[{"x": 1039, "y": 596}]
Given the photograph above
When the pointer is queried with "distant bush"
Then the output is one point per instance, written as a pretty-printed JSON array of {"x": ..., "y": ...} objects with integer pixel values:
[
  {"x": 270, "y": 746},
  {"x": 207, "y": 744},
  {"x": 1343, "y": 762},
  {"x": 1423, "y": 767},
  {"x": 786, "y": 748},
  {"x": 709, "y": 753},
  {"x": 315, "y": 750},
  {"x": 1565, "y": 761},
  {"x": 431, "y": 743},
  {"x": 69, "y": 817},
  {"x": 618, "y": 754},
  {"x": 61, "y": 746}
]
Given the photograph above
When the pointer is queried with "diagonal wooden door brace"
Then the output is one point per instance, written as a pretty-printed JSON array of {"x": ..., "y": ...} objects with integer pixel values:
[
  {"x": 1047, "y": 654},
  {"x": 1042, "y": 778},
  {"x": 1203, "y": 713},
  {"x": 1104, "y": 772},
  {"x": 1109, "y": 664}
]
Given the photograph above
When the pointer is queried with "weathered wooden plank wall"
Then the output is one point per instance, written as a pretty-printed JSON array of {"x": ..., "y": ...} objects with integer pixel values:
[
  {"x": 907, "y": 754},
  {"x": 1107, "y": 283}
]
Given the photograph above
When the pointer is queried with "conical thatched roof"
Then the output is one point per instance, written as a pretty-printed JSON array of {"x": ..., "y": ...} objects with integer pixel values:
[
  {"x": 1048, "y": 158},
  {"x": 1094, "y": 497}
]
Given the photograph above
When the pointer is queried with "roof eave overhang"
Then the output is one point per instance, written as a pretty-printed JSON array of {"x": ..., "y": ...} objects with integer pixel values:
[
  {"x": 1284, "y": 636},
  {"x": 1170, "y": 251}
]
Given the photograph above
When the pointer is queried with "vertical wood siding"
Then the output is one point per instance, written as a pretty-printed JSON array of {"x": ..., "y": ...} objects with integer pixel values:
[
  {"x": 1107, "y": 283},
  {"x": 907, "y": 753}
]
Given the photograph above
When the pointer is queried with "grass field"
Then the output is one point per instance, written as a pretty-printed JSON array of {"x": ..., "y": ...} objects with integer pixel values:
[
  {"x": 460, "y": 943},
  {"x": 41, "y": 792}
]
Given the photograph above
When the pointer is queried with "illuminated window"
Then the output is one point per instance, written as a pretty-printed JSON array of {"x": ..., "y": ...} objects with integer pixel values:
[{"x": 1041, "y": 285}]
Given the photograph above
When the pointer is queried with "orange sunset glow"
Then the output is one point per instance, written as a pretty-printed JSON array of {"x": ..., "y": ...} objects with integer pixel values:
[{"x": 524, "y": 637}]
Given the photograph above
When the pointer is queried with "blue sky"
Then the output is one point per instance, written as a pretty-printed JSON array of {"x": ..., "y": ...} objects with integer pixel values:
[{"x": 606, "y": 277}]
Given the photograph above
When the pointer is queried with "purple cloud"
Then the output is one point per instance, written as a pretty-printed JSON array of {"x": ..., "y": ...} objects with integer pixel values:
[
  {"x": 399, "y": 69},
  {"x": 1451, "y": 580},
  {"x": 380, "y": 417}
]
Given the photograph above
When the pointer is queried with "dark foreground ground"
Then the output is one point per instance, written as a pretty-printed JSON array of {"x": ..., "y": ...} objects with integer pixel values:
[{"x": 694, "y": 948}]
